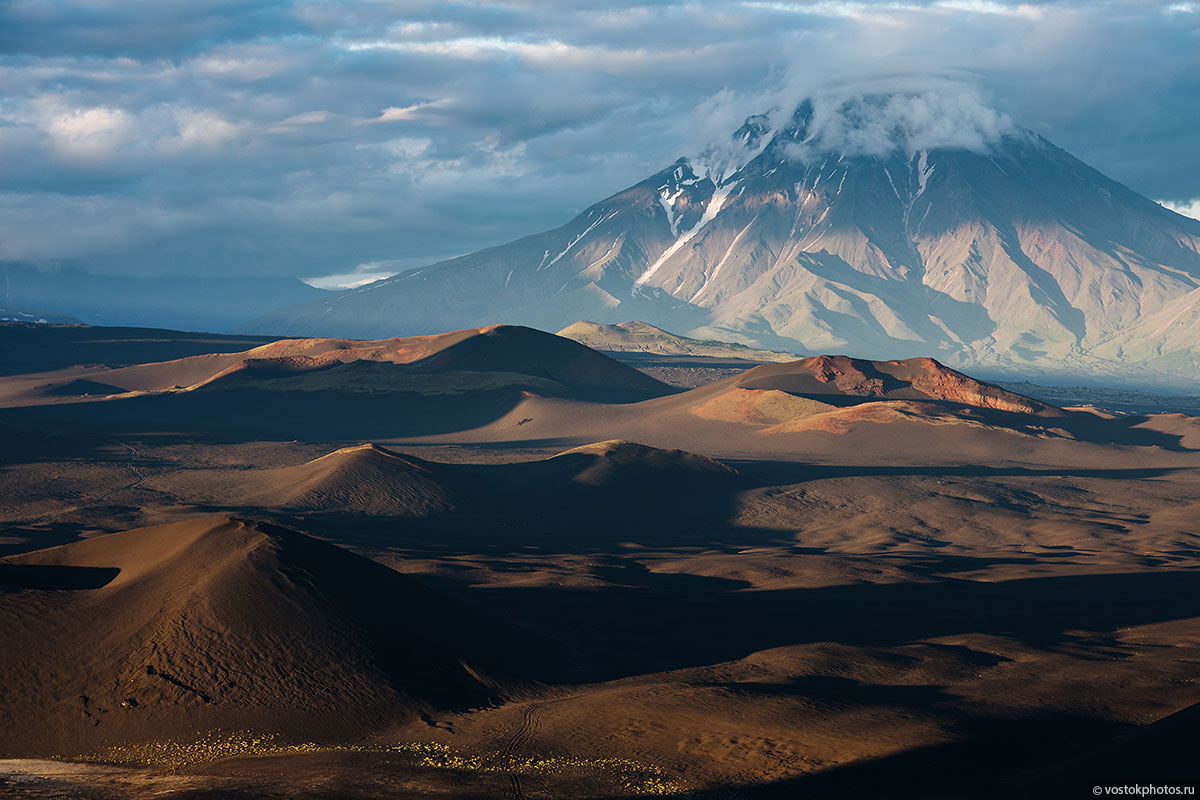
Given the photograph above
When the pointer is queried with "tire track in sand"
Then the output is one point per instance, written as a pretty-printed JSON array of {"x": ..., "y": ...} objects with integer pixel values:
[{"x": 528, "y": 726}]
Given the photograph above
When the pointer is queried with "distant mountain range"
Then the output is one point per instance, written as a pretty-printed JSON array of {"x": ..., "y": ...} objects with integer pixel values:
[
  {"x": 1010, "y": 258},
  {"x": 15, "y": 314},
  {"x": 190, "y": 304}
]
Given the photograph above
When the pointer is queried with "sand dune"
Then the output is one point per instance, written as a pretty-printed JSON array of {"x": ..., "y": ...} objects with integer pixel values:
[
  {"x": 227, "y": 623},
  {"x": 1185, "y": 428},
  {"x": 472, "y": 378},
  {"x": 374, "y": 497},
  {"x": 780, "y": 395},
  {"x": 617, "y": 464},
  {"x": 338, "y": 389},
  {"x": 879, "y": 412},
  {"x": 365, "y": 479},
  {"x": 757, "y": 406},
  {"x": 836, "y": 394},
  {"x": 522, "y": 356}
]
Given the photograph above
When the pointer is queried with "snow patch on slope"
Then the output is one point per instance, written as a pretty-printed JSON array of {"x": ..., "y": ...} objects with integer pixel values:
[
  {"x": 667, "y": 201},
  {"x": 717, "y": 271},
  {"x": 574, "y": 241},
  {"x": 710, "y": 212}
]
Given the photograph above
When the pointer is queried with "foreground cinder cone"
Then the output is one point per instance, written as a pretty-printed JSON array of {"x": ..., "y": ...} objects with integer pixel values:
[{"x": 229, "y": 623}]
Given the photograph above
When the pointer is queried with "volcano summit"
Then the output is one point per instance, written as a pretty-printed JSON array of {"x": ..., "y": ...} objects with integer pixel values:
[{"x": 882, "y": 226}]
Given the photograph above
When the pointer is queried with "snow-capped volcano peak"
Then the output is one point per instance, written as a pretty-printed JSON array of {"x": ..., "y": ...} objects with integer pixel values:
[
  {"x": 721, "y": 160},
  {"x": 902, "y": 128},
  {"x": 879, "y": 224},
  {"x": 863, "y": 124}
]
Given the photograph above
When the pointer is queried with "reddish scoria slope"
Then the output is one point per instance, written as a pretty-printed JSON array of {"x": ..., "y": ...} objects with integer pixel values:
[
  {"x": 841, "y": 381},
  {"x": 802, "y": 394}
]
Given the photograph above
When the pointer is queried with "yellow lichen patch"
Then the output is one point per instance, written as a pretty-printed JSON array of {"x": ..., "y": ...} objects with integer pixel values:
[
  {"x": 215, "y": 746},
  {"x": 631, "y": 777}
]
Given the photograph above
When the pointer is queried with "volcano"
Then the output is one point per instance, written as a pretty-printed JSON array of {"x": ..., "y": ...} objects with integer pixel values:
[{"x": 998, "y": 252}]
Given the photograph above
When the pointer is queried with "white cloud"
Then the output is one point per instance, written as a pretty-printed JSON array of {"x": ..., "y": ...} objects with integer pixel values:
[
  {"x": 244, "y": 63},
  {"x": 885, "y": 118},
  {"x": 407, "y": 113},
  {"x": 90, "y": 134},
  {"x": 361, "y": 275},
  {"x": 204, "y": 128},
  {"x": 297, "y": 122},
  {"x": 39, "y": 229},
  {"x": 1188, "y": 209},
  {"x": 406, "y": 147},
  {"x": 988, "y": 7},
  {"x": 350, "y": 280}
]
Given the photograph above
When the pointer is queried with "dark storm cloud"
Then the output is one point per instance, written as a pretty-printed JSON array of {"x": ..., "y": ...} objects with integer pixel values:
[{"x": 323, "y": 138}]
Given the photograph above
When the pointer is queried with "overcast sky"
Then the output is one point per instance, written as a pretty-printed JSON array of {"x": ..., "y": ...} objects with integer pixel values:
[{"x": 326, "y": 138}]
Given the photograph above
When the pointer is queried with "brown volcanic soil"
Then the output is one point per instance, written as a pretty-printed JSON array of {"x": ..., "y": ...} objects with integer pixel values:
[
  {"x": 366, "y": 479},
  {"x": 900, "y": 595},
  {"x": 331, "y": 389},
  {"x": 756, "y": 413},
  {"x": 841, "y": 381},
  {"x": 30, "y": 348},
  {"x": 222, "y": 623},
  {"x": 624, "y": 466},
  {"x": 1162, "y": 753},
  {"x": 557, "y": 366}
]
